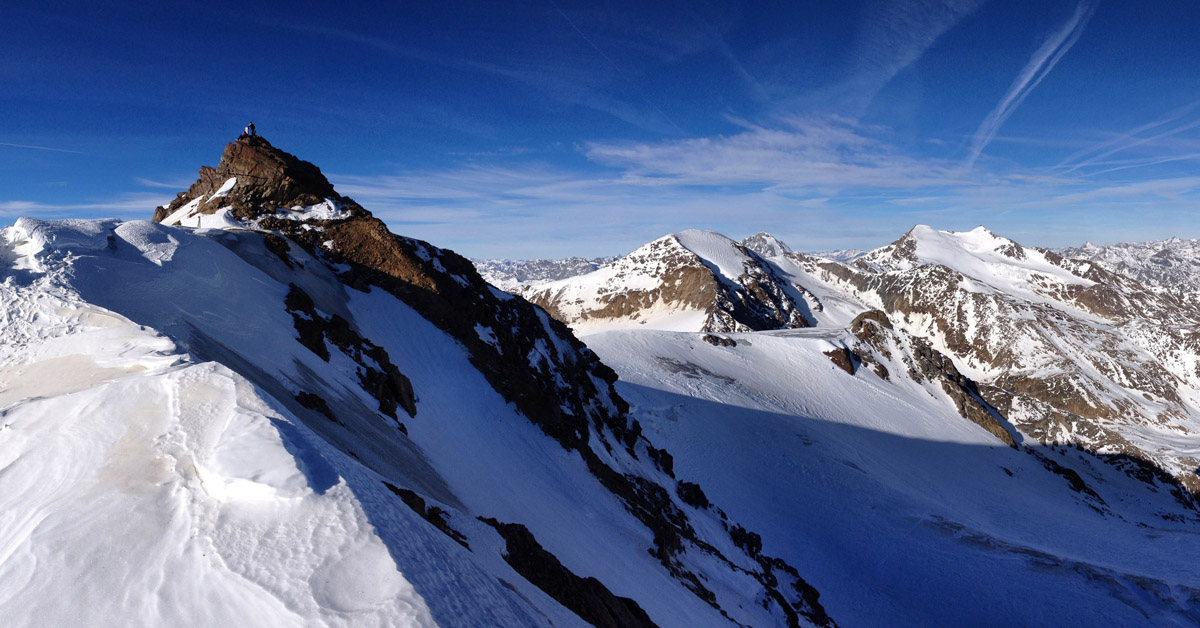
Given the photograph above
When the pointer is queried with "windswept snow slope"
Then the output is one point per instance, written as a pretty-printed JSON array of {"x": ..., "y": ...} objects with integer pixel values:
[
  {"x": 140, "y": 487},
  {"x": 172, "y": 454}
]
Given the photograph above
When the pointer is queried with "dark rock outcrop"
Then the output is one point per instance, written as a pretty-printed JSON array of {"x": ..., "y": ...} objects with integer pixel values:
[
  {"x": 433, "y": 514},
  {"x": 377, "y": 375},
  {"x": 586, "y": 597},
  {"x": 267, "y": 179}
]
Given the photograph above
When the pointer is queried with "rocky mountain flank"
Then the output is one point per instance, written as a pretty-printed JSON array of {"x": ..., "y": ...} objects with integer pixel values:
[
  {"x": 1063, "y": 350},
  {"x": 529, "y": 358},
  {"x": 1034, "y": 347},
  {"x": 1168, "y": 266},
  {"x": 690, "y": 281}
]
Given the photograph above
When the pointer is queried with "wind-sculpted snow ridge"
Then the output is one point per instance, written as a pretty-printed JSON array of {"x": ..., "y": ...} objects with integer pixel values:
[
  {"x": 1064, "y": 350},
  {"x": 689, "y": 281},
  {"x": 317, "y": 422}
]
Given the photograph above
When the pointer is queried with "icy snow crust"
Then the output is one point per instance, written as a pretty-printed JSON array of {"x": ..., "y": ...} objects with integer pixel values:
[{"x": 156, "y": 468}]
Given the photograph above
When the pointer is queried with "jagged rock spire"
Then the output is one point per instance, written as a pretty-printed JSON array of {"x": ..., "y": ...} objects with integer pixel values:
[{"x": 266, "y": 179}]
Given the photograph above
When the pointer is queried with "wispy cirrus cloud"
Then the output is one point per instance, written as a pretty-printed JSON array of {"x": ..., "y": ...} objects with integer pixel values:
[
  {"x": 813, "y": 151},
  {"x": 174, "y": 184},
  {"x": 1034, "y": 72},
  {"x": 895, "y": 35},
  {"x": 565, "y": 77},
  {"x": 1171, "y": 125},
  {"x": 129, "y": 206},
  {"x": 891, "y": 37}
]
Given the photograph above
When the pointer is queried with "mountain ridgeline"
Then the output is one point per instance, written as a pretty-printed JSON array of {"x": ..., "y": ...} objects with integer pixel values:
[
  {"x": 530, "y": 359},
  {"x": 274, "y": 410},
  {"x": 1032, "y": 346}
]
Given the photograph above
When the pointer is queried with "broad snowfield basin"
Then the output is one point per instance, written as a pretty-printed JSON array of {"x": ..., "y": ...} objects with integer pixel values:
[{"x": 263, "y": 408}]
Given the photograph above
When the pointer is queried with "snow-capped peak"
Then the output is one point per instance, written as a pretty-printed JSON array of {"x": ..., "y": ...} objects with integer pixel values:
[
  {"x": 978, "y": 254},
  {"x": 692, "y": 280},
  {"x": 766, "y": 245}
]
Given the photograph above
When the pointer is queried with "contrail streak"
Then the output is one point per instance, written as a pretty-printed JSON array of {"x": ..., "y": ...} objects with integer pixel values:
[
  {"x": 1044, "y": 60},
  {"x": 1130, "y": 140},
  {"x": 57, "y": 150}
]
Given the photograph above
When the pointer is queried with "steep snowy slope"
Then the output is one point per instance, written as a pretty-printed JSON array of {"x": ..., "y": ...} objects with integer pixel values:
[
  {"x": 766, "y": 244},
  {"x": 289, "y": 416},
  {"x": 689, "y": 281},
  {"x": 904, "y": 513}
]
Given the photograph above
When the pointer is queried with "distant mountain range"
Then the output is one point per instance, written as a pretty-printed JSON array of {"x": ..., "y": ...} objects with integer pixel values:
[{"x": 513, "y": 274}]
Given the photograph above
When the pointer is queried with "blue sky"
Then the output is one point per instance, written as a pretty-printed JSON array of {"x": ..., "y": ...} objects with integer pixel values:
[{"x": 554, "y": 128}]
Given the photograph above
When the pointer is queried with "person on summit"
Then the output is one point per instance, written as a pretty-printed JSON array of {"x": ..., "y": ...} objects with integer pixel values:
[{"x": 249, "y": 130}]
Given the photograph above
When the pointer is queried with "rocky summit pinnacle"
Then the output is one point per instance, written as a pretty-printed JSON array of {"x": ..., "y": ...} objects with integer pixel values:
[{"x": 254, "y": 177}]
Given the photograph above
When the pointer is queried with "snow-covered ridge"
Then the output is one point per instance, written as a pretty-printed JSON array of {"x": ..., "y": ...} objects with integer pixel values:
[
  {"x": 202, "y": 487},
  {"x": 766, "y": 245},
  {"x": 284, "y": 488},
  {"x": 372, "y": 434},
  {"x": 979, "y": 254}
]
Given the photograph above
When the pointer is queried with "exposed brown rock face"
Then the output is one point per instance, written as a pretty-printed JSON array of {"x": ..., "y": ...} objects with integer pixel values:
[
  {"x": 842, "y": 358},
  {"x": 267, "y": 178},
  {"x": 532, "y": 360},
  {"x": 758, "y": 299}
]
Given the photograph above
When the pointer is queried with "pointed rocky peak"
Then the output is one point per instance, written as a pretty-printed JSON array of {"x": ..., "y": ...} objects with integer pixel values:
[
  {"x": 766, "y": 245},
  {"x": 255, "y": 179},
  {"x": 693, "y": 280}
]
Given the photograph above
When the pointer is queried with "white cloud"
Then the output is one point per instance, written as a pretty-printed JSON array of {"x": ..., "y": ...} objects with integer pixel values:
[
  {"x": 815, "y": 152},
  {"x": 129, "y": 206}
]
